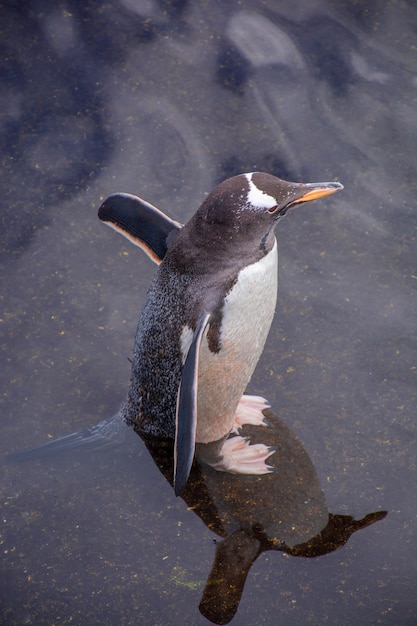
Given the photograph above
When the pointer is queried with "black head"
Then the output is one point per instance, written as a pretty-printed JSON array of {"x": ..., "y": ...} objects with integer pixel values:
[
  {"x": 242, "y": 211},
  {"x": 259, "y": 194}
]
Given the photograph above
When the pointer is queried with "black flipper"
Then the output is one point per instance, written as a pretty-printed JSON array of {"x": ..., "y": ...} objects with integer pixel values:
[
  {"x": 140, "y": 222},
  {"x": 186, "y": 421},
  {"x": 108, "y": 433}
]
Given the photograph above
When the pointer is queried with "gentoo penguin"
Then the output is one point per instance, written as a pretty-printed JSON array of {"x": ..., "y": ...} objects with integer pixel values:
[{"x": 206, "y": 317}]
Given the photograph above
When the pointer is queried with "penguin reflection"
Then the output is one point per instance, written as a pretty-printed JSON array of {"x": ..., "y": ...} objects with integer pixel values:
[{"x": 285, "y": 510}]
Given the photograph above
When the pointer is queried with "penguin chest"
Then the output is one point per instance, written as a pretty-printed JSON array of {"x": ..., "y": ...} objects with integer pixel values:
[{"x": 247, "y": 315}]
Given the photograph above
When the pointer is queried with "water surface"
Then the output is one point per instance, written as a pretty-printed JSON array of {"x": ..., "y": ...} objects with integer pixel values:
[{"x": 165, "y": 100}]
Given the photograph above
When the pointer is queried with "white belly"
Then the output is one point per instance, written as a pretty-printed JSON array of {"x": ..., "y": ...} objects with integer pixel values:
[{"x": 247, "y": 315}]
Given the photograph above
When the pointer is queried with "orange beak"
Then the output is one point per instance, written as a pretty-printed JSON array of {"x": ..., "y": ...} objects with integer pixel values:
[{"x": 316, "y": 191}]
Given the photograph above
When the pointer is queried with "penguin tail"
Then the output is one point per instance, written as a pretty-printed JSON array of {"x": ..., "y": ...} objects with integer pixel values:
[{"x": 108, "y": 433}]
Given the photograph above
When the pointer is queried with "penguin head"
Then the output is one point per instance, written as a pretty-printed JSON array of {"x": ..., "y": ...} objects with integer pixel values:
[
  {"x": 259, "y": 195},
  {"x": 247, "y": 207},
  {"x": 237, "y": 219},
  {"x": 275, "y": 196}
]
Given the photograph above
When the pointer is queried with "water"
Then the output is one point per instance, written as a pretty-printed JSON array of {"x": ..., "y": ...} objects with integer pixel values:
[{"x": 165, "y": 100}]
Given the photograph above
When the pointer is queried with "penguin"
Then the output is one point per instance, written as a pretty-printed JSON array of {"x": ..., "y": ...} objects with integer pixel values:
[{"x": 206, "y": 317}]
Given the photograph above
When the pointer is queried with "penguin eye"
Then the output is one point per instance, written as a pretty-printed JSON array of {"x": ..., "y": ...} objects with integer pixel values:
[{"x": 273, "y": 209}]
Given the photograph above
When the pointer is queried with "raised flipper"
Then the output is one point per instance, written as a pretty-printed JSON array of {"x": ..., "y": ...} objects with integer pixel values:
[
  {"x": 186, "y": 420},
  {"x": 140, "y": 222},
  {"x": 108, "y": 433}
]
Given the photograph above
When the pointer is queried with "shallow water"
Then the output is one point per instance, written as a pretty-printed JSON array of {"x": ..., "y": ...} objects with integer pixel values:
[{"x": 165, "y": 100}]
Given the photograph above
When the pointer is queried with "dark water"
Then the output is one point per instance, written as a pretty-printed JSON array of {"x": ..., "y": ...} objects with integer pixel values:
[{"x": 165, "y": 99}]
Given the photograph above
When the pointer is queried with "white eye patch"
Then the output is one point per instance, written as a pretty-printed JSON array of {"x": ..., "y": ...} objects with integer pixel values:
[{"x": 258, "y": 198}]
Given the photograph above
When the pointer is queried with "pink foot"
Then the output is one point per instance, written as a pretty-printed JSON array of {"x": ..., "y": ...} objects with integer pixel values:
[
  {"x": 249, "y": 411},
  {"x": 238, "y": 456}
]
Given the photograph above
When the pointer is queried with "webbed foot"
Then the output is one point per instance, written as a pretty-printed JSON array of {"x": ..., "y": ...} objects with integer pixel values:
[
  {"x": 249, "y": 411},
  {"x": 238, "y": 456}
]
